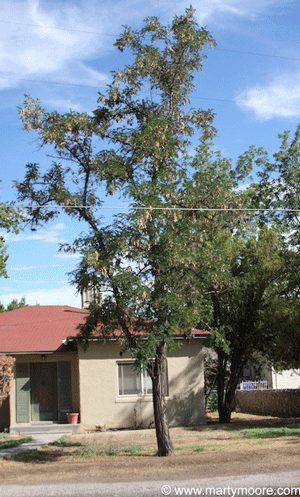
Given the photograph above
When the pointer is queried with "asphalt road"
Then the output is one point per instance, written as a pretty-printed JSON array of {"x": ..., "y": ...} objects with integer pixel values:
[{"x": 285, "y": 483}]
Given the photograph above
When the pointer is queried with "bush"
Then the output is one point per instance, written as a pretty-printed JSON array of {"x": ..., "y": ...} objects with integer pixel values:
[
  {"x": 212, "y": 400},
  {"x": 6, "y": 375}
]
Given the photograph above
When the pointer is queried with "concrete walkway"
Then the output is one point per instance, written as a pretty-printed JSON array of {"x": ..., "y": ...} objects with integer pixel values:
[{"x": 38, "y": 440}]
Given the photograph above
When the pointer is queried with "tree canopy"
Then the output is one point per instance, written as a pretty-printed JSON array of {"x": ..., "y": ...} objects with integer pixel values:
[
  {"x": 277, "y": 195},
  {"x": 190, "y": 251},
  {"x": 241, "y": 305},
  {"x": 238, "y": 267},
  {"x": 145, "y": 126}
]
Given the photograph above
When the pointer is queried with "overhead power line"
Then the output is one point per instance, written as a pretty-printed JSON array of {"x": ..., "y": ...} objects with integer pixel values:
[
  {"x": 102, "y": 86},
  {"x": 150, "y": 208},
  {"x": 257, "y": 54},
  {"x": 101, "y": 33},
  {"x": 192, "y": 97},
  {"x": 58, "y": 28},
  {"x": 51, "y": 82}
]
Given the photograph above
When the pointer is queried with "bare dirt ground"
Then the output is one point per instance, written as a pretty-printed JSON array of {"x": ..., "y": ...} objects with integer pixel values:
[{"x": 225, "y": 453}]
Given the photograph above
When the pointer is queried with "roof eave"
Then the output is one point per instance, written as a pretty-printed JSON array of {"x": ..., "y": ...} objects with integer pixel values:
[
  {"x": 115, "y": 339},
  {"x": 37, "y": 352}
]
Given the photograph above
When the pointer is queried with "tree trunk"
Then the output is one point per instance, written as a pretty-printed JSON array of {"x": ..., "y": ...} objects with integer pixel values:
[
  {"x": 225, "y": 413},
  {"x": 226, "y": 393},
  {"x": 225, "y": 408},
  {"x": 222, "y": 362},
  {"x": 164, "y": 444}
]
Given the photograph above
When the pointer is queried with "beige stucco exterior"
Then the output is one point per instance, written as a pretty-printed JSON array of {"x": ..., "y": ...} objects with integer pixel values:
[
  {"x": 100, "y": 403},
  {"x": 95, "y": 393}
]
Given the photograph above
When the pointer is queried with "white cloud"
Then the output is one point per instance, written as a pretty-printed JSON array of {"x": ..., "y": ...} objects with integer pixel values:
[
  {"x": 28, "y": 51},
  {"x": 5, "y": 288},
  {"x": 246, "y": 8},
  {"x": 29, "y": 268},
  {"x": 213, "y": 10},
  {"x": 46, "y": 235},
  {"x": 64, "y": 105},
  {"x": 279, "y": 98},
  {"x": 67, "y": 255},
  {"x": 65, "y": 295},
  {"x": 57, "y": 40}
]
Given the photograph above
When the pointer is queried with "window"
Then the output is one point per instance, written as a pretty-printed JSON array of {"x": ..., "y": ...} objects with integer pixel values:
[{"x": 134, "y": 382}]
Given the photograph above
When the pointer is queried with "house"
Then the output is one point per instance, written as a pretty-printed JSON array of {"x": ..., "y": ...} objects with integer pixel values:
[
  {"x": 269, "y": 392},
  {"x": 281, "y": 380},
  {"x": 264, "y": 376},
  {"x": 54, "y": 376}
]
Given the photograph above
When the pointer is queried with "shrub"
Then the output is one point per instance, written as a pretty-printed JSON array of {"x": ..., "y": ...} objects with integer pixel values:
[
  {"x": 6, "y": 375},
  {"x": 212, "y": 400}
]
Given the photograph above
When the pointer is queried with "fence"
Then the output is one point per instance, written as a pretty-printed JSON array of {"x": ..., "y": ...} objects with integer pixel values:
[
  {"x": 268, "y": 402},
  {"x": 253, "y": 385}
]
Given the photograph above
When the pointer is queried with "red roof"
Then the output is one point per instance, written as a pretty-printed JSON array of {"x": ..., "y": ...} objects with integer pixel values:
[
  {"x": 44, "y": 328},
  {"x": 39, "y": 328}
]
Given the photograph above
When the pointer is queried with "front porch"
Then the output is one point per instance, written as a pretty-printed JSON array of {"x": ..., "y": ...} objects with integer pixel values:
[
  {"x": 45, "y": 389},
  {"x": 44, "y": 428}
]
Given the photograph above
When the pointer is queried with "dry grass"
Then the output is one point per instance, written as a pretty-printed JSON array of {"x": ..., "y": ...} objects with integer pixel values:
[{"x": 210, "y": 449}]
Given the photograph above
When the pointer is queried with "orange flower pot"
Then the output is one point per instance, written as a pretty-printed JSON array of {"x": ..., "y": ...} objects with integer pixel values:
[{"x": 72, "y": 418}]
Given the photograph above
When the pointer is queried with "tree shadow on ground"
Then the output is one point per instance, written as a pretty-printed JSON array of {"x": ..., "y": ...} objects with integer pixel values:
[
  {"x": 239, "y": 422},
  {"x": 38, "y": 456}
]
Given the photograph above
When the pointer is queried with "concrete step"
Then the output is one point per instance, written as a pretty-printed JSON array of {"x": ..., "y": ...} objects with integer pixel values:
[{"x": 44, "y": 428}]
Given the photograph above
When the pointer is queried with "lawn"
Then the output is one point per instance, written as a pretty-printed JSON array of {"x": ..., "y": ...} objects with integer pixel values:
[
  {"x": 8, "y": 442},
  {"x": 249, "y": 443}
]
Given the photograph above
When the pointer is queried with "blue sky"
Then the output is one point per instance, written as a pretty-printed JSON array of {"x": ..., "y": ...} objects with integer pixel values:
[{"x": 62, "y": 53}]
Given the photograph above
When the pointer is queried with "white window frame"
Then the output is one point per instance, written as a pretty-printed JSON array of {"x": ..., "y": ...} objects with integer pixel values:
[
  {"x": 143, "y": 380},
  {"x": 144, "y": 377}
]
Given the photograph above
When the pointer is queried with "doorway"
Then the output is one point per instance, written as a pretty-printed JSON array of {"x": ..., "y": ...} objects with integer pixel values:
[{"x": 44, "y": 402}]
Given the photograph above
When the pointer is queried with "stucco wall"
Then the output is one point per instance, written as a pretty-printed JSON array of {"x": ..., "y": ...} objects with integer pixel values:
[
  {"x": 269, "y": 402},
  {"x": 36, "y": 358},
  {"x": 101, "y": 404}
]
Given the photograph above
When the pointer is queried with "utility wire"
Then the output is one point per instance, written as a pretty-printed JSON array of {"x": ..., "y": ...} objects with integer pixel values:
[
  {"x": 104, "y": 86},
  {"x": 98, "y": 33},
  {"x": 58, "y": 28},
  {"x": 52, "y": 82},
  {"x": 195, "y": 97},
  {"x": 58, "y": 83},
  {"x": 189, "y": 209},
  {"x": 257, "y": 54}
]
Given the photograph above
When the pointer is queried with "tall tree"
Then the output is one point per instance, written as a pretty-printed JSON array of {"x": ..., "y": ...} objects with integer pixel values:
[
  {"x": 145, "y": 125},
  {"x": 277, "y": 194},
  {"x": 255, "y": 279},
  {"x": 240, "y": 268}
]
